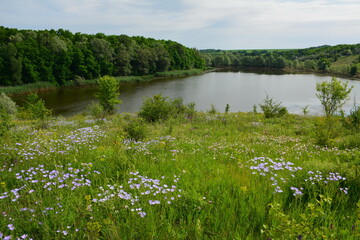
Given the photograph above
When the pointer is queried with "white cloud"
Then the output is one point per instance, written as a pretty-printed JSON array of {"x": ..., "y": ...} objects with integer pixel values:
[{"x": 198, "y": 23}]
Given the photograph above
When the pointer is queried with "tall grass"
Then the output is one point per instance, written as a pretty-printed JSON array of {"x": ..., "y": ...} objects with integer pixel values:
[
  {"x": 31, "y": 87},
  {"x": 217, "y": 176},
  {"x": 179, "y": 73}
]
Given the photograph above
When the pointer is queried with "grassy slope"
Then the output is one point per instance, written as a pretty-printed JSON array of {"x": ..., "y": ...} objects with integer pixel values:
[{"x": 211, "y": 158}]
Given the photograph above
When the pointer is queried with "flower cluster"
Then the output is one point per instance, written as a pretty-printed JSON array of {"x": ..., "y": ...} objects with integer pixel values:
[
  {"x": 141, "y": 191},
  {"x": 318, "y": 177},
  {"x": 278, "y": 170},
  {"x": 40, "y": 180},
  {"x": 75, "y": 140}
]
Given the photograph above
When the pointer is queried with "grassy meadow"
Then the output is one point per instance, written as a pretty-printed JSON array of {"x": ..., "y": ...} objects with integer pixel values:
[{"x": 212, "y": 176}]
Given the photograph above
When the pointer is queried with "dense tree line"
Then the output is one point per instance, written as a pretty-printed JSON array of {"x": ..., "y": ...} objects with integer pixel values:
[
  {"x": 315, "y": 58},
  {"x": 29, "y": 56}
]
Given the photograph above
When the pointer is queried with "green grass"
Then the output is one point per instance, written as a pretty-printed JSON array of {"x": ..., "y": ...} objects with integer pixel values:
[
  {"x": 346, "y": 60},
  {"x": 181, "y": 73},
  {"x": 31, "y": 87},
  {"x": 78, "y": 178}
]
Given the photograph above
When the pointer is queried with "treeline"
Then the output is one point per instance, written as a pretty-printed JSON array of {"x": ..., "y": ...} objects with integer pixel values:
[
  {"x": 59, "y": 56},
  {"x": 342, "y": 59}
]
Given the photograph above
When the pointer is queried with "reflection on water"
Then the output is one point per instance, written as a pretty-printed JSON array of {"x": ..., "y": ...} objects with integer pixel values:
[{"x": 240, "y": 89}]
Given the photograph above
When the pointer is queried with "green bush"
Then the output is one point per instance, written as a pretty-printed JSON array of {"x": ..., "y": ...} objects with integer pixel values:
[
  {"x": 348, "y": 141},
  {"x": 159, "y": 108},
  {"x": 79, "y": 81},
  {"x": 135, "y": 128},
  {"x": 326, "y": 130},
  {"x": 212, "y": 109},
  {"x": 354, "y": 118},
  {"x": 272, "y": 108},
  {"x": 227, "y": 108},
  {"x": 8, "y": 105},
  {"x": 5, "y": 121},
  {"x": 190, "y": 110},
  {"x": 108, "y": 93},
  {"x": 95, "y": 109},
  {"x": 35, "y": 108}
]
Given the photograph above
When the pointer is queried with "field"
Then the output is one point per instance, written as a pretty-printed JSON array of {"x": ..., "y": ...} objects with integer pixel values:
[{"x": 213, "y": 176}]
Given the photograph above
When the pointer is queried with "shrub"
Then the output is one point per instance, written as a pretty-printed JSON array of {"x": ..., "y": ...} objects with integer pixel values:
[
  {"x": 35, "y": 108},
  {"x": 212, "y": 109},
  {"x": 160, "y": 108},
  {"x": 227, "y": 108},
  {"x": 8, "y": 105},
  {"x": 272, "y": 109},
  {"x": 79, "y": 81},
  {"x": 5, "y": 121},
  {"x": 135, "y": 128},
  {"x": 326, "y": 130},
  {"x": 95, "y": 109},
  {"x": 190, "y": 110},
  {"x": 354, "y": 117},
  {"x": 332, "y": 95},
  {"x": 108, "y": 93}
]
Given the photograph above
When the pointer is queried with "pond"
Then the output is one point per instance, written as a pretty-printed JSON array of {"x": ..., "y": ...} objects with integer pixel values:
[{"x": 240, "y": 89}]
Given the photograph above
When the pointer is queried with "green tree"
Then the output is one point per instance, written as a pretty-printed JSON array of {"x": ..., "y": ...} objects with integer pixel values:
[
  {"x": 332, "y": 95},
  {"x": 323, "y": 64},
  {"x": 108, "y": 93}
]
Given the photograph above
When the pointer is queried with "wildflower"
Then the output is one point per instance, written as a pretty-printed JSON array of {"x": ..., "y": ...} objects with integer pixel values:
[
  {"x": 11, "y": 227},
  {"x": 142, "y": 214},
  {"x": 296, "y": 191}
]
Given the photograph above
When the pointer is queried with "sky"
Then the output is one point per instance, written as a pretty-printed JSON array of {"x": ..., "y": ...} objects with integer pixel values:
[{"x": 201, "y": 24}]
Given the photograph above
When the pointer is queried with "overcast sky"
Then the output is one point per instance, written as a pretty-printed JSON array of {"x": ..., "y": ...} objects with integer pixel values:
[{"x": 202, "y": 24}]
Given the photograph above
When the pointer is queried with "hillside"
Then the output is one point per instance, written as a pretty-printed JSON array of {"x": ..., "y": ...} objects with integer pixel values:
[{"x": 218, "y": 176}]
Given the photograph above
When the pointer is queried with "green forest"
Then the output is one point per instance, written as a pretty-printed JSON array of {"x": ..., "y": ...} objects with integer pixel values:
[
  {"x": 340, "y": 59},
  {"x": 58, "y": 56}
]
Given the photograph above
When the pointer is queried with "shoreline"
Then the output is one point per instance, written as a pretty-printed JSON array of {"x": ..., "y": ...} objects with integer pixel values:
[{"x": 46, "y": 86}]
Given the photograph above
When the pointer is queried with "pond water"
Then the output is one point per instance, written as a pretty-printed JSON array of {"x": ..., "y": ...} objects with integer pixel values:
[{"x": 240, "y": 89}]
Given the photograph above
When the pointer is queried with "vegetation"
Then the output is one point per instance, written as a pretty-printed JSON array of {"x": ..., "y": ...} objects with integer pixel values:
[
  {"x": 60, "y": 57},
  {"x": 108, "y": 93},
  {"x": 7, "y": 105},
  {"x": 332, "y": 95},
  {"x": 214, "y": 176},
  {"x": 272, "y": 108},
  {"x": 341, "y": 59},
  {"x": 34, "y": 108},
  {"x": 159, "y": 108}
]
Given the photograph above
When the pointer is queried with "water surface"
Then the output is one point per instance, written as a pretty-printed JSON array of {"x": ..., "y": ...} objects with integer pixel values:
[{"x": 240, "y": 89}]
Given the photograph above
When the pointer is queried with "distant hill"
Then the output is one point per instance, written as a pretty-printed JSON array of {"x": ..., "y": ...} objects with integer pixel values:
[{"x": 341, "y": 59}]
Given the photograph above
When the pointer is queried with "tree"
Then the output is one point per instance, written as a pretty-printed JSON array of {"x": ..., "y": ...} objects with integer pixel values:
[
  {"x": 108, "y": 93},
  {"x": 332, "y": 95}
]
